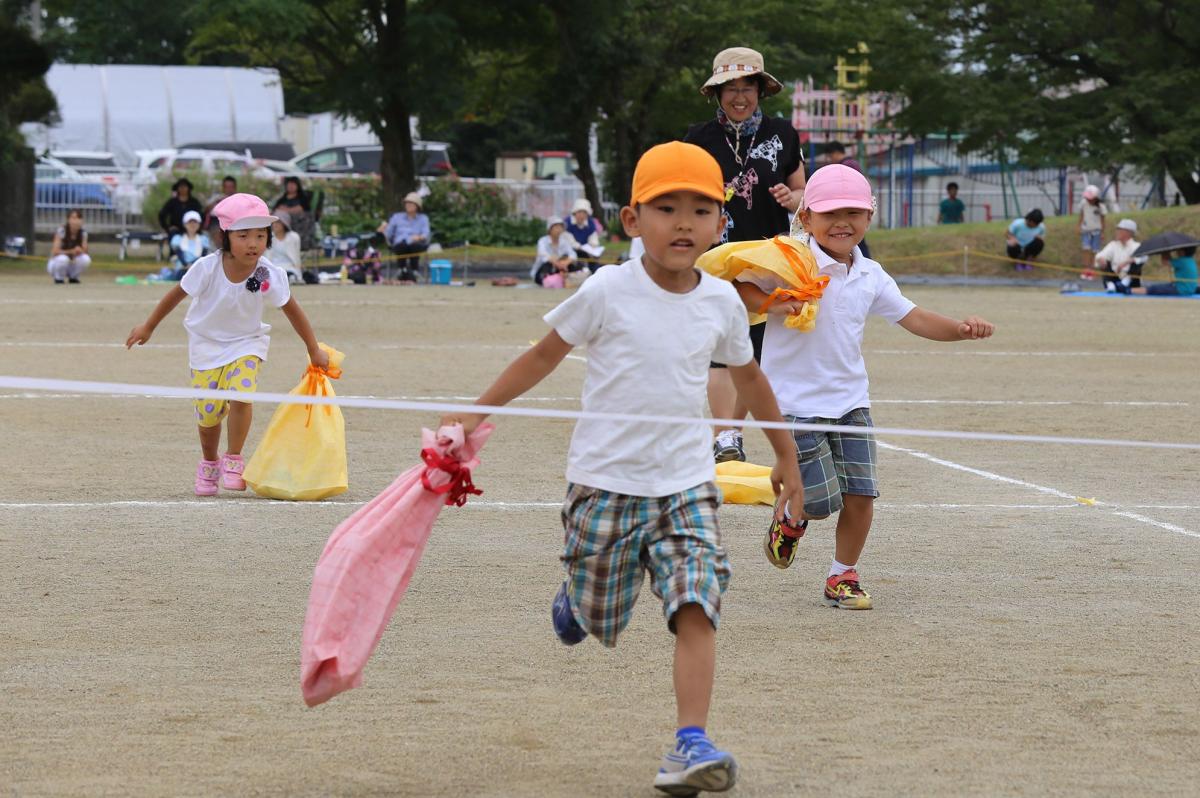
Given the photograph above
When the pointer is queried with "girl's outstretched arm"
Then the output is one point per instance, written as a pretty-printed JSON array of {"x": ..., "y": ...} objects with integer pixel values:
[
  {"x": 521, "y": 375},
  {"x": 295, "y": 314},
  {"x": 937, "y": 327},
  {"x": 141, "y": 333}
]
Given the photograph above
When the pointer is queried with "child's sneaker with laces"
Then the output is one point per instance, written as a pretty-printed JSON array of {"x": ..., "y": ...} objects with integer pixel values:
[
  {"x": 232, "y": 466},
  {"x": 565, "y": 626},
  {"x": 695, "y": 764},
  {"x": 781, "y": 541},
  {"x": 207, "y": 472},
  {"x": 729, "y": 445},
  {"x": 843, "y": 591}
]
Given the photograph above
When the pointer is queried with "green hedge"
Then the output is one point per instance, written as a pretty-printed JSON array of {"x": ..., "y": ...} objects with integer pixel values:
[{"x": 205, "y": 186}]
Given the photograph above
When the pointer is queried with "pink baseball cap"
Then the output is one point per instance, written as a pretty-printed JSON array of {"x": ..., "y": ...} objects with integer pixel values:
[
  {"x": 837, "y": 186},
  {"x": 243, "y": 212}
]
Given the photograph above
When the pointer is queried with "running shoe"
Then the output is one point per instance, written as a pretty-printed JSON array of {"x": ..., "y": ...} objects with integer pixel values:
[
  {"x": 207, "y": 472},
  {"x": 696, "y": 764},
  {"x": 232, "y": 466},
  {"x": 844, "y": 592},
  {"x": 729, "y": 445},
  {"x": 781, "y": 541},
  {"x": 565, "y": 626}
]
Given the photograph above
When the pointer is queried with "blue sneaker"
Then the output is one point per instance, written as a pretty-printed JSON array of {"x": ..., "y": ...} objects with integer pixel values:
[
  {"x": 565, "y": 626},
  {"x": 696, "y": 765}
]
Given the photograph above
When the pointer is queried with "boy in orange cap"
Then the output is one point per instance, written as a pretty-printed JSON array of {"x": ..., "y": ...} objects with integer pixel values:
[{"x": 651, "y": 326}]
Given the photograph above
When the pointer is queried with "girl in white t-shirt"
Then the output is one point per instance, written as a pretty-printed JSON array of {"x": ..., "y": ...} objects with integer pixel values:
[{"x": 227, "y": 339}]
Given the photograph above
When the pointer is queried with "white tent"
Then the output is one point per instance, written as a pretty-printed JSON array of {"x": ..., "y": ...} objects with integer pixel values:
[{"x": 120, "y": 109}]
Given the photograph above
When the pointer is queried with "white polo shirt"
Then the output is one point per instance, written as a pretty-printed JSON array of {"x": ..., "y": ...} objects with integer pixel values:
[
  {"x": 822, "y": 373},
  {"x": 648, "y": 352}
]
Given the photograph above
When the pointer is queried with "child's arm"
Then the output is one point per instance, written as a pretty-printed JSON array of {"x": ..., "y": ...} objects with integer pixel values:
[
  {"x": 754, "y": 389},
  {"x": 937, "y": 327},
  {"x": 753, "y": 298},
  {"x": 141, "y": 333},
  {"x": 295, "y": 314},
  {"x": 521, "y": 375}
]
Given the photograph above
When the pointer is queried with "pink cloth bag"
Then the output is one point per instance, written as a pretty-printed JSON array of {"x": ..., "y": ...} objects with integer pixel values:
[
  {"x": 367, "y": 564},
  {"x": 553, "y": 280}
]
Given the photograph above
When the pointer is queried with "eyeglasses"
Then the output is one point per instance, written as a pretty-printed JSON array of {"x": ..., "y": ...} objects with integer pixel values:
[{"x": 745, "y": 91}]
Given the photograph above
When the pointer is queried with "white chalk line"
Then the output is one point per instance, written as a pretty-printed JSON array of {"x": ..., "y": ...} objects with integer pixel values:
[
  {"x": 1113, "y": 509},
  {"x": 993, "y": 353},
  {"x": 68, "y": 386}
]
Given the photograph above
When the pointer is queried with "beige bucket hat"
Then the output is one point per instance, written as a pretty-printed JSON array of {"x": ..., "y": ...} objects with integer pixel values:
[{"x": 739, "y": 62}]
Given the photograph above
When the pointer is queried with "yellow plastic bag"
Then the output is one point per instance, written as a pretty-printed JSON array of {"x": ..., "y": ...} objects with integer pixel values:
[
  {"x": 745, "y": 483},
  {"x": 302, "y": 456},
  {"x": 783, "y": 257}
]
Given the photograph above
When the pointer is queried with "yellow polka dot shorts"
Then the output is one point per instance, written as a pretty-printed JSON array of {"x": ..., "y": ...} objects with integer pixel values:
[{"x": 240, "y": 375}]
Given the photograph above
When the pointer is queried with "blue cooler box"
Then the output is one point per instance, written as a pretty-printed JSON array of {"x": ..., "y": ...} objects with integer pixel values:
[{"x": 439, "y": 272}]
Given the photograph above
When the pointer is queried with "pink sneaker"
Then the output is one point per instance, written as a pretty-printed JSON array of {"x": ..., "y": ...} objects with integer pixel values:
[
  {"x": 232, "y": 466},
  {"x": 206, "y": 477}
]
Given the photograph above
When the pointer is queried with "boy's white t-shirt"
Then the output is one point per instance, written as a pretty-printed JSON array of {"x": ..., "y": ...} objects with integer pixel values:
[
  {"x": 822, "y": 373},
  {"x": 648, "y": 352},
  {"x": 224, "y": 321}
]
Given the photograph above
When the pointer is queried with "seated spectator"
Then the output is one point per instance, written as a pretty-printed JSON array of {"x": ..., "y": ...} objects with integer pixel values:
[
  {"x": 951, "y": 209},
  {"x": 170, "y": 216},
  {"x": 1116, "y": 264},
  {"x": 407, "y": 233},
  {"x": 1026, "y": 239},
  {"x": 69, "y": 252},
  {"x": 297, "y": 203},
  {"x": 1183, "y": 262},
  {"x": 555, "y": 256},
  {"x": 285, "y": 247},
  {"x": 189, "y": 246},
  {"x": 210, "y": 224},
  {"x": 585, "y": 231}
]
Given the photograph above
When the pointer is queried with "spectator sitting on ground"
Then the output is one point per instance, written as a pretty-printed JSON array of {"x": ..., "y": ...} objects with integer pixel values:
[
  {"x": 1092, "y": 213},
  {"x": 69, "y": 251},
  {"x": 1116, "y": 264},
  {"x": 189, "y": 246},
  {"x": 585, "y": 231},
  {"x": 1026, "y": 239},
  {"x": 170, "y": 216},
  {"x": 951, "y": 209},
  {"x": 285, "y": 247},
  {"x": 1183, "y": 262},
  {"x": 555, "y": 256},
  {"x": 407, "y": 233}
]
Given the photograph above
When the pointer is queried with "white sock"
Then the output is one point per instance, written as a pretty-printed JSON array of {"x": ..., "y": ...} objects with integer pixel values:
[
  {"x": 837, "y": 569},
  {"x": 1125, "y": 281}
]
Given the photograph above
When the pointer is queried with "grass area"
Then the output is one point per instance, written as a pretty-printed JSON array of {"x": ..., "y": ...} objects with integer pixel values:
[{"x": 901, "y": 251}]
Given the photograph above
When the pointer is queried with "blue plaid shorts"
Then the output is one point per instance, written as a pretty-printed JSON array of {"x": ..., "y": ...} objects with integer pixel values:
[
  {"x": 613, "y": 539},
  {"x": 833, "y": 463}
]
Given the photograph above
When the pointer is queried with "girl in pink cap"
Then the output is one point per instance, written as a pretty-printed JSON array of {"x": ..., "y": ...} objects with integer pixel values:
[
  {"x": 227, "y": 338},
  {"x": 819, "y": 377}
]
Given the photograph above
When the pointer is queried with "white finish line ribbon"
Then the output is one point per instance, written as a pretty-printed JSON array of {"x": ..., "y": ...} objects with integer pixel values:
[{"x": 133, "y": 390}]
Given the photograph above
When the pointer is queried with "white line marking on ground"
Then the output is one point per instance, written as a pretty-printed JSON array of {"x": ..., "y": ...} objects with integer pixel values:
[
  {"x": 1025, "y": 403},
  {"x": 1113, "y": 509},
  {"x": 84, "y": 344},
  {"x": 992, "y": 353}
]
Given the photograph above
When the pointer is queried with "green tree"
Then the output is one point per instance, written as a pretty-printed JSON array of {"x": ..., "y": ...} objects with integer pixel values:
[
  {"x": 24, "y": 96},
  {"x": 117, "y": 31}
]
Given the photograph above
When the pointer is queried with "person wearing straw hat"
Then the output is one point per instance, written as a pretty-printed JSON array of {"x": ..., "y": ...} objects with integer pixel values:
[
  {"x": 763, "y": 168},
  {"x": 407, "y": 234}
]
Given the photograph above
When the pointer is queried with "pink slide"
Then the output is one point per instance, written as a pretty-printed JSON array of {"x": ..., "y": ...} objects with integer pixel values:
[{"x": 370, "y": 558}]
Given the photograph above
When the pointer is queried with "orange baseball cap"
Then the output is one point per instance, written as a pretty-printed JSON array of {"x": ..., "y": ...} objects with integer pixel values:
[{"x": 677, "y": 166}]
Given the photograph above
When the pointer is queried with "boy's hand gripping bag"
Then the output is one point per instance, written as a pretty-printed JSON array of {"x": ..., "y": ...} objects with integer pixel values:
[
  {"x": 302, "y": 456},
  {"x": 781, "y": 257}
]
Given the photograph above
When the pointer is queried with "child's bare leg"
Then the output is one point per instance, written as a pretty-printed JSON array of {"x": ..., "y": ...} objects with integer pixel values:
[
  {"x": 722, "y": 396},
  {"x": 210, "y": 441},
  {"x": 240, "y": 414},
  {"x": 854, "y": 522},
  {"x": 695, "y": 662},
  {"x": 1089, "y": 259}
]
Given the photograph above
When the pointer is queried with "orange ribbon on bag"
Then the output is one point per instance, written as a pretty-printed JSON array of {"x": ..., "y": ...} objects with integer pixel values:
[
  {"x": 807, "y": 290},
  {"x": 313, "y": 383}
]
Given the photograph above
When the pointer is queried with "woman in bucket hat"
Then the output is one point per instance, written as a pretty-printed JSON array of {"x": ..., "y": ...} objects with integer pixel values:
[
  {"x": 763, "y": 167},
  {"x": 407, "y": 234}
]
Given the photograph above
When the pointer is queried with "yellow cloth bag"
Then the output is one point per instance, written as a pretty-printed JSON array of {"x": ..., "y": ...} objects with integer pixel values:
[
  {"x": 783, "y": 257},
  {"x": 302, "y": 456},
  {"x": 745, "y": 483}
]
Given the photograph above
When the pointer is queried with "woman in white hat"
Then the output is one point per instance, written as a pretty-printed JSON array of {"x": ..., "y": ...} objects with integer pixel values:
[
  {"x": 585, "y": 231},
  {"x": 555, "y": 256},
  {"x": 407, "y": 233},
  {"x": 763, "y": 167}
]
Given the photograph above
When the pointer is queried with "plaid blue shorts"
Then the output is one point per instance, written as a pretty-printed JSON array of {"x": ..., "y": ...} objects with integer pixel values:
[
  {"x": 612, "y": 539},
  {"x": 833, "y": 463}
]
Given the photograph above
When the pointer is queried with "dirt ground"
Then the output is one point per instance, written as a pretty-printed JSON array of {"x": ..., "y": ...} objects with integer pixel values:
[{"x": 1023, "y": 642}]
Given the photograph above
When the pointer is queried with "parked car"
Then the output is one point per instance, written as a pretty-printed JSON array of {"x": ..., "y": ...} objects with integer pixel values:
[
  {"x": 153, "y": 163},
  {"x": 58, "y": 186},
  {"x": 432, "y": 159},
  {"x": 103, "y": 165}
]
